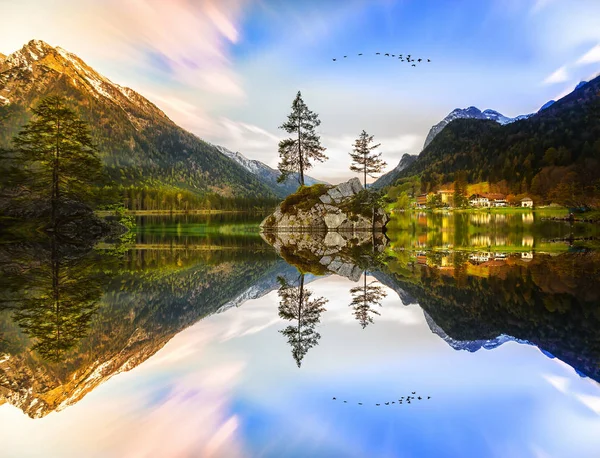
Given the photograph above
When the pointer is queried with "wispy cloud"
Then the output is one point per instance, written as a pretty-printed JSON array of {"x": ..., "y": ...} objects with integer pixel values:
[
  {"x": 590, "y": 57},
  {"x": 559, "y": 76},
  {"x": 539, "y": 5}
]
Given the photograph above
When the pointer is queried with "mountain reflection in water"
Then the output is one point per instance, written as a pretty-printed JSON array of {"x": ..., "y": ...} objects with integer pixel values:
[{"x": 242, "y": 339}]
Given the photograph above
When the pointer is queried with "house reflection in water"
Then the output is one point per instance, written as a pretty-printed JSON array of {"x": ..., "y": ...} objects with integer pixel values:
[
  {"x": 527, "y": 218},
  {"x": 527, "y": 241}
]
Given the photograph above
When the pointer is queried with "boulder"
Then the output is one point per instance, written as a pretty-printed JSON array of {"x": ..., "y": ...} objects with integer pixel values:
[{"x": 328, "y": 212}]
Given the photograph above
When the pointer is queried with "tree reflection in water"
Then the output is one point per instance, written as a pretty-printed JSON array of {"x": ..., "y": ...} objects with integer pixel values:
[
  {"x": 57, "y": 299},
  {"x": 297, "y": 306},
  {"x": 364, "y": 297}
]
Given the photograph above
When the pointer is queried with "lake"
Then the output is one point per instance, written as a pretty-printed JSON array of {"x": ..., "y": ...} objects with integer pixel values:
[{"x": 457, "y": 335}]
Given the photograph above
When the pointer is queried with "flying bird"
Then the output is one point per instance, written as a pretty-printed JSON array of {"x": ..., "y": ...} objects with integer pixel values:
[
  {"x": 419, "y": 60},
  {"x": 345, "y": 57},
  {"x": 345, "y": 402},
  {"x": 387, "y": 54},
  {"x": 393, "y": 55},
  {"x": 360, "y": 403},
  {"x": 414, "y": 392},
  {"x": 387, "y": 403},
  {"x": 419, "y": 398},
  {"x": 334, "y": 398},
  {"x": 428, "y": 60},
  {"x": 334, "y": 60},
  {"x": 378, "y": 53},
  {"x": 428, "y": 397},
  {"x": 414, "y": 65},
  {"x": 377, "y": 404}
]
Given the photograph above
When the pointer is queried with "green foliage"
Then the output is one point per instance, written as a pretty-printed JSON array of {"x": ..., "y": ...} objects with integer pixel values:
[
  {"x": 403, "y": 202},
  {"x": 364, "y": 203},
  {"x": 531, "y": 155},
  {"x": 297, "y": 307},
  {"x": 303, "y": 199},
  {"x": 56, "y": 150},
  {"x": 460, "y": 190},
  {"x": 364, "y": 160},
  {"x": 298, "y": 152}
]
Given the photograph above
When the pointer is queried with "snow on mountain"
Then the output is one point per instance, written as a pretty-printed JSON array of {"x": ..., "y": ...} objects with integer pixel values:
[
  {"x": 470, "y": 113},
  {"x": 470, "y": 345},
  {"x": 267, "y": 174}
]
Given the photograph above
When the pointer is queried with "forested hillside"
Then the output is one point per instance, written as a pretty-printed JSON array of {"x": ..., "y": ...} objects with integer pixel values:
[
  {"x": 551, "y": 154},
  {"x": 148, "y": 159}
]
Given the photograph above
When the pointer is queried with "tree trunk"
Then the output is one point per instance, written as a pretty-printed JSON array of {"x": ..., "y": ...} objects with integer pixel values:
[
  {"x": 300, "y": 156},
  {"x": 365, "y": 170},
  {"x": 55, "y": 175}
]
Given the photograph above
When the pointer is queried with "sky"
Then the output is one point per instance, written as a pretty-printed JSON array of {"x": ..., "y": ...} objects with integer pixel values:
[
  {"x": 228, "y": 387},
  {"x": 228, "y": 70}
]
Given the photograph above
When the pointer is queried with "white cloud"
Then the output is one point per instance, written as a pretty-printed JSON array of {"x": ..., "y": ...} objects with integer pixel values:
[
  {"x": 590, "y": 57},
  {"x": 539, "y": 5},
  {"x": 559, "y": 76}
]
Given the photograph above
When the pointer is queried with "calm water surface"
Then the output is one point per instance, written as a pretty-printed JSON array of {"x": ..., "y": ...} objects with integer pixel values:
[{"x": 196, "y": 337}]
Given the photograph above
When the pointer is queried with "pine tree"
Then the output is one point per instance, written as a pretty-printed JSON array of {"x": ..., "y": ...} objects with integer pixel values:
[
  {"x": 363, "y": 298},
  {"x": 297, "y": 306},
  {"x": 364, "y": 160},
  {"x": 298, "y": 153},
  {"x": 57, "y": 149},
  {"x": 460, "y": 189}
]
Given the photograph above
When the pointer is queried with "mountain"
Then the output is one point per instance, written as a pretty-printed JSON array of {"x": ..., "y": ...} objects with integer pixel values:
[
  {"x": 470, "y": 345},
  {"x": 140, "y": 310},
  {"x": 390, "y": 177},
  {"x": 547, "y": 104},
  {"x": 469, "y": 113},
  {"x": 266, "y": 174},
  {"x": 535, "y": 155},
  {"x": 138, "y": 143}
]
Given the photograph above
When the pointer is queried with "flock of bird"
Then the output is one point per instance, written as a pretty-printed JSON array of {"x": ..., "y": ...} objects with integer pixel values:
[
  {"x": 408, "y": 58},
  {"x": 401, "y": 401}
]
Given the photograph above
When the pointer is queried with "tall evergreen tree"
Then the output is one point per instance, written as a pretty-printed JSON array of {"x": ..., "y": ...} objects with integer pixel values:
[
  {"x": 58, "y": 299},
  {"x": 297, "y": 306},
  {"x": 460, "y": 189},
  {"x": 297, "y": 153},
  {"x": 57, "y": 149},
  {"x": 364, "y": 159},
  {"x": 363, "y": 298}
]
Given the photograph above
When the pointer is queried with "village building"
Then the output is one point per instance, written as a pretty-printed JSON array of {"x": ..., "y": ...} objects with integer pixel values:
[
  {"x": 527, "y": 202},
  {"x": 421, "y": 201},
  {"x": 488, "y": 200},
  {"x": 446, "y": 195},
  {"x": 479, "y": 200},
  {"x": 496, "y": 199}
]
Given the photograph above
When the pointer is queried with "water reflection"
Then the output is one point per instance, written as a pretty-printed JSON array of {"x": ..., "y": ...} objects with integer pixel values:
[
  {"x": 483, "y": 231},
  {"x": 364, "y": 300},
  {"x": 297, "y": 306},
  {"x": 208, "y": 320}
]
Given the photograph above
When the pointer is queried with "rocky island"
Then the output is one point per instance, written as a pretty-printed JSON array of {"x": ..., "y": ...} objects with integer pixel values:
[{"x": 346, "y": 207}]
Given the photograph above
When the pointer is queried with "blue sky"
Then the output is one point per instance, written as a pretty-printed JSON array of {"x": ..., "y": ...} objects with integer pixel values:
[
  {"x": 228, "y": 70},
  {"x": 229, "y": 387}
]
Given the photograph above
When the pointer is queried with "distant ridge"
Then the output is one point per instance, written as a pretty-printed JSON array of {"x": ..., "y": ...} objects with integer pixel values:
[{"x": 138, "y": 143}]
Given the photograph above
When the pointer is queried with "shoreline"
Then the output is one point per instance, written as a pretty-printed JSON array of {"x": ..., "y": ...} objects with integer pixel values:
[{"x": 178, "y": 212}]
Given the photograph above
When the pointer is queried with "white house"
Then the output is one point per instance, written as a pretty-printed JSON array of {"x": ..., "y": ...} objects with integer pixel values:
[
  {"x": 479, "y": 200},
  {"x": 527, "y": 202}
]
